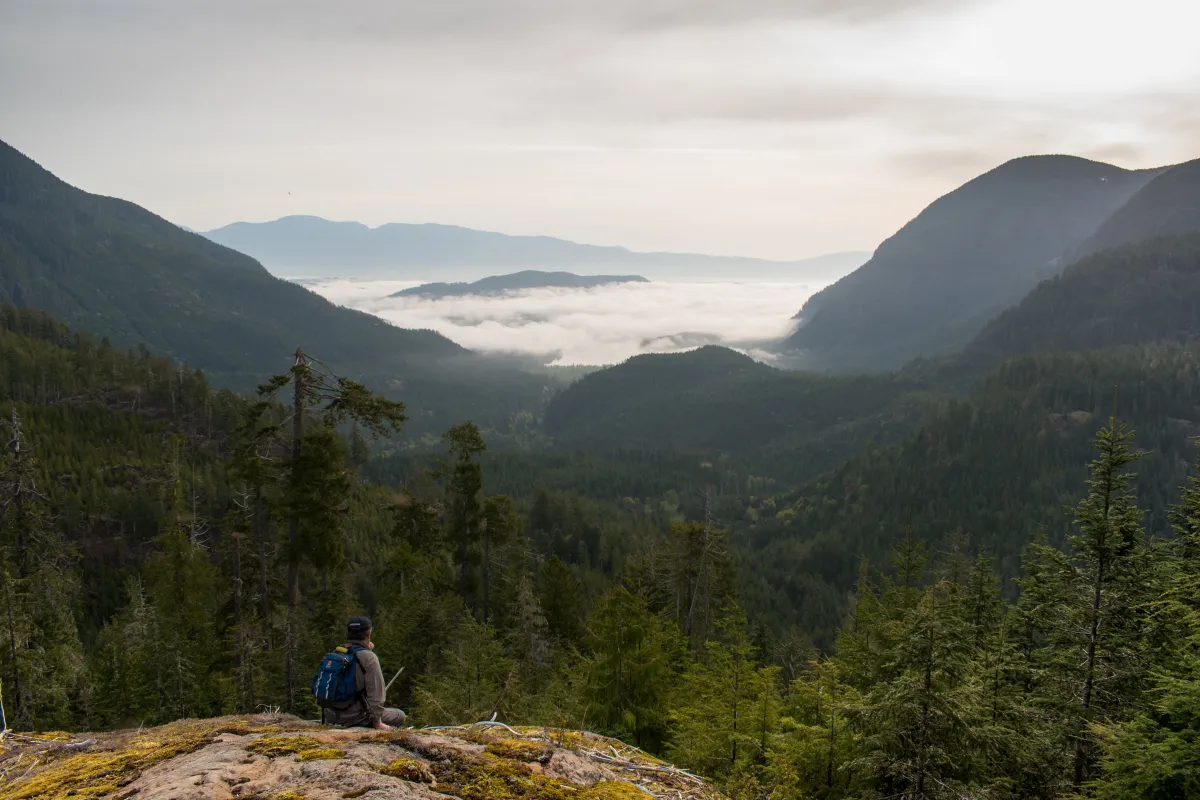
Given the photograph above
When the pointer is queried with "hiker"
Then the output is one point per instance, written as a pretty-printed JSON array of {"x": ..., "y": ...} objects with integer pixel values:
[{"x": 359, "y": 705}]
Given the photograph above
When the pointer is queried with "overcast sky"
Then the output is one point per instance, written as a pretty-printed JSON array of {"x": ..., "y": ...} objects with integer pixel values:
[{"x": 779, "y": 128}]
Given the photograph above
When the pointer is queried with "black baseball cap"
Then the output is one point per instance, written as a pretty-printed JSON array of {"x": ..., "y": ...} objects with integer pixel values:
[{"x": 358, "y": 627}]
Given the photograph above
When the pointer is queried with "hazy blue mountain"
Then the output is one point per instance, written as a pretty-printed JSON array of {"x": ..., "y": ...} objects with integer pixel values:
[
  {"x": 528, "y": 279},
  {"x": 304, "y": 246},
  {"x": 115, "y": 269},
  {"x": 979, "y": 249}
]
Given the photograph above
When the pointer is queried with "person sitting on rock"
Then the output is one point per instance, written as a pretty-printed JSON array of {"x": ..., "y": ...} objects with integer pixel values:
[{"x": 368, "y": 711}]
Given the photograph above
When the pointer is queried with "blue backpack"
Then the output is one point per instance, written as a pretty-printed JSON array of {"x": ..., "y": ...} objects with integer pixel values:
[{"x": 335, "y": 685}]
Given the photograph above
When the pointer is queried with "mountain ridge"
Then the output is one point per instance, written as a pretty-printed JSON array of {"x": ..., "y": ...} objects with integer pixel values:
[
  {"x": 304, "y": 243},
  {"x": 972, "y": 252},
  {"x": 117, "y": 270}
]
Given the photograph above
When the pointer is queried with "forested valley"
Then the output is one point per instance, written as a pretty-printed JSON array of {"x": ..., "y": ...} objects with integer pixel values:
[
  {"x": 973, "y": 576},
  {"x": 172, "y": 550}
]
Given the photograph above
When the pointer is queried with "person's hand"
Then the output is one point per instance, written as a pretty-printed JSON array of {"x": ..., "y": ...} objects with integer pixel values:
[{"x": 382, "y": 726}]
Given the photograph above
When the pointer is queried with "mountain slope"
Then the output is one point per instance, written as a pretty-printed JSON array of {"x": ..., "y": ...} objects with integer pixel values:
[
  {"x": 713, "y": 400},
  {"x": 1000, "y": 465},
  {"x": 1168, "y": 204},
  {"x": 1137, "y": 294},
  {"x": 527, "y": 279},
  {"x": 971, "y": 253},
  {"x": 117, "y": 270},
  {"x": 306, "y": 246}
]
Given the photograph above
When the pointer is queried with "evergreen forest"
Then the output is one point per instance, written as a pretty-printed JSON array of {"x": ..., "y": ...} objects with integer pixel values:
[
  {"x": 974, "y": 576},
  {"x": 172, "y": 550}
]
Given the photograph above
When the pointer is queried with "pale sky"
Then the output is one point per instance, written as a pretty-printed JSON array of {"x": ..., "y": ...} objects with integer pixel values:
[{"x": 777, "y": 128}]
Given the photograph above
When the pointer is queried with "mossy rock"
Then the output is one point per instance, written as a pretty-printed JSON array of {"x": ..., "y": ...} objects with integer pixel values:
[
  {"x": 469, "y": 764},
  {"x": 322, "y": 754},
  {"x": 520, "y": 750},
  {"x": 410, "y": 769},
  {"x": 302, "y": 746},
  {"x": 104, "y": 769}
]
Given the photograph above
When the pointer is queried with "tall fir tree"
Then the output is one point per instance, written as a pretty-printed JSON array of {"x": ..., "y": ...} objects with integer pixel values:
[{"x": 1093, "y": 616}]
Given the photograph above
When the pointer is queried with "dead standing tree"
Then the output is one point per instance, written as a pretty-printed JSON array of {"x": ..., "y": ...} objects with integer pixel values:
[{"x": 321, "y": 397}]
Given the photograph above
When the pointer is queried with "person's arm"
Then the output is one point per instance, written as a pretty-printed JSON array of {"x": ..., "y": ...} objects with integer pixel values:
[{"x": 372, "y": 686}]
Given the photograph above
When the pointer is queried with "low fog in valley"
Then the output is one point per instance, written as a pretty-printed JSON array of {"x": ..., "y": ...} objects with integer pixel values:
[{"x": 604, "y": 325}]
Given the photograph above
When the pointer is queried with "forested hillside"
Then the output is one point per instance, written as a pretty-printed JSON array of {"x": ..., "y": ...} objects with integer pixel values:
[
  {"x": 937, "y": 282},
  {"x": 117, "y": 271},
  {"x": 791, "y": 425},
  {"x": 997, "y": 466},
  {"x": 1169, "y": 204},
  {"x": 172, "y": 551},
  {"x": 1135, "y": 294}
]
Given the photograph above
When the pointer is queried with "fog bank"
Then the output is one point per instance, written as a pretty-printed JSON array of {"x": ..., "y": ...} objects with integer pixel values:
[{"x": 604, "y": 325}]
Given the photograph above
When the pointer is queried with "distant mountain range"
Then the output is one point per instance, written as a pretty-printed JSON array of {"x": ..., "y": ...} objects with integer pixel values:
[
  {"x": 305, "y": 246},
  {"x": 972, "y": 253}
]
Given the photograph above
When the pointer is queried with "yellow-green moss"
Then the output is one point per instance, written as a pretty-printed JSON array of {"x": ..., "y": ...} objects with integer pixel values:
[
  {"x": 321, "y": 754},
  {"x": 520, "y": 749},
  {"x": 105, "y": 768},
  {"x": 410, "y": 769},
  {"x": 501, "y": 772},
  {"x": 289, "y": 795},
  {"x": 275, "y": 746},
  {"x": 613, "y": 790}
]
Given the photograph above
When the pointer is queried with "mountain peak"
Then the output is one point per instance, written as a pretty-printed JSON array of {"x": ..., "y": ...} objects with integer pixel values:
[{"x": 972, "y": 252}]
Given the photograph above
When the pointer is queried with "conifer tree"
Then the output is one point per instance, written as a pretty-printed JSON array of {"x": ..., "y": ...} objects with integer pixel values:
[
  {"x": 631, "y": 667},
  {"x": 41, "y": 657},
  {"x": 724, "y": 707},
  {"x": 918, "y": 719},
  {"x": 467, "y": 681},
  {"x": 1093, "y": 617},
  {"x": 126, "y": 677},
  {"x": 333, "y": 400},
  {"x": 562, "y": 599},
  {"x": 500, "y": 525},
  {"x": 1155, "y": 755},
  {"x": 464, "y": 485},
  {"x": 816, "y": 742}
]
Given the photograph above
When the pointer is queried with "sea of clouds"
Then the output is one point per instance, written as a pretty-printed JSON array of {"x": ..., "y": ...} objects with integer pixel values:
[{"x": 604, "y": 325}]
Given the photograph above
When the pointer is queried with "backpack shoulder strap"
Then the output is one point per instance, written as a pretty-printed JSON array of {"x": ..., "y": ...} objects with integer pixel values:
[{"x": 354, "y": 651}]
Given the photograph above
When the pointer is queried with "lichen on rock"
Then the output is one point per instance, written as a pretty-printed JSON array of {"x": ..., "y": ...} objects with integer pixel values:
[{"x": 285, "y": 758}]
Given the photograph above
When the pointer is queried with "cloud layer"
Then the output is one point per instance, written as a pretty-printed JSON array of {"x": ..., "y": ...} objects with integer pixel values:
[
  {"x": 775, "y": 128},
  {"x": 604, "y": 325}
]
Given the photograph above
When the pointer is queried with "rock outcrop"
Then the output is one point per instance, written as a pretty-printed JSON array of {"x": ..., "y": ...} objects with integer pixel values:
[{"x": 279, "y": 757}]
